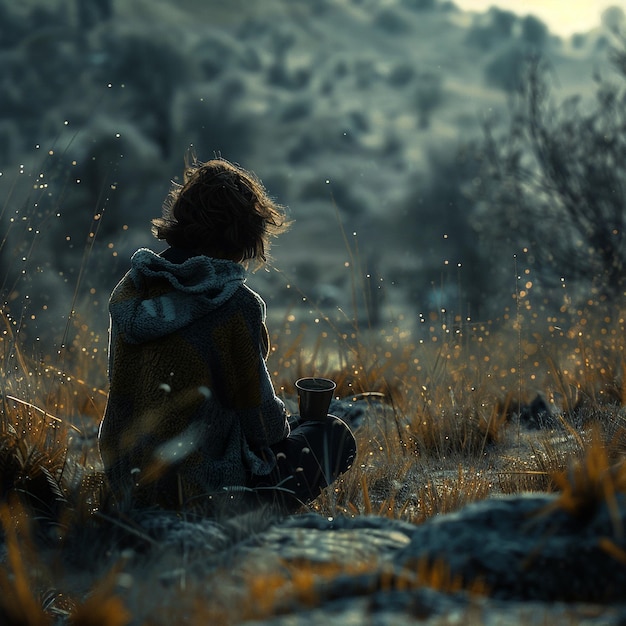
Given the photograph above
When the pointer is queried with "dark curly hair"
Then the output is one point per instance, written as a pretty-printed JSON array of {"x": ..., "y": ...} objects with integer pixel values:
[{"x": 222, "y": 211}]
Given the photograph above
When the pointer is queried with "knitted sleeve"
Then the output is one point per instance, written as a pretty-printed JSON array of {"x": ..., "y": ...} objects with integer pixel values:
[{"x": 246, "y": 384}]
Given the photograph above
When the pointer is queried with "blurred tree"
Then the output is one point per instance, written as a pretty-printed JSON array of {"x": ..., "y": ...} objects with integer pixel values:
[
  {"x": 554, "y": 181},
  {"x": 534, "y": 32},
  {"x": 613, "y": 19},
  {"x": 13, "y": 27},
  {"x": 496, "y": 28},
  {"x": 506, "y": 70},
  {"x": 420, "y": 5},
  {"x": 428, "y": 95},
  {"x": 401, "y": 74},
  {"x": 391, "y": 21},
  {"x": 92, "y": 12},
  {"x": 212, "y": 115},
  {"x": 502, "y": 21},
  {"x": 151, "y": 70},
  {"x": 434, "y": 219}
]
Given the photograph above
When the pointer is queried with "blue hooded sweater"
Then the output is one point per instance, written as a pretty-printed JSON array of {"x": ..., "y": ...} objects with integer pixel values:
[{"x": 191, "y": 405}]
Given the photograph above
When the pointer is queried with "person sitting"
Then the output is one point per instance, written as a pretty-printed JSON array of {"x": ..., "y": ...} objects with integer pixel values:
[{"x": 192, "y": 410}]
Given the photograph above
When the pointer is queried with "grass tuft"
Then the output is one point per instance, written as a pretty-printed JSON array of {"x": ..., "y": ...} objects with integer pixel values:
[
  {"x": 591, "y": 482},
  {"x": 442, "y": 428}
]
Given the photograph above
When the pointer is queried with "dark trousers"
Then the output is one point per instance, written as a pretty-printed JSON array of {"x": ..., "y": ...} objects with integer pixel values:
[{"x": 314, "y": 455}]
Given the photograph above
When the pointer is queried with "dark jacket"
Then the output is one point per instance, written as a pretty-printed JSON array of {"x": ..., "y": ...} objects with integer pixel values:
[{"x": 191, "y": 405}]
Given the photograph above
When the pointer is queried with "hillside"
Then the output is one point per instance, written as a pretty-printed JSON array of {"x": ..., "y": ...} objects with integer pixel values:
[
  {"x": 345, "y": 108},
  {"x": 488, "y": 410}
]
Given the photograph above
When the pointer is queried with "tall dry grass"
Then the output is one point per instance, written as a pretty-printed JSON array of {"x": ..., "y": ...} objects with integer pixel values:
[
  {"x": 442, "y": 428},
  {"x": 441, "y": 431}
]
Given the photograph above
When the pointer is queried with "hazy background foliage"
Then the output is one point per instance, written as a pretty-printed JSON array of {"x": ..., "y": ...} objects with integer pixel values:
[
  {"x": 457, "y": 184},
  {"x": 378, "y": 150}
]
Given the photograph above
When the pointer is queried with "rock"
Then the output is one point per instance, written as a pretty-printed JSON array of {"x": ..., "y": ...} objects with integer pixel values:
[
  {"x": 526, "y": 548},
  {"x": 319, "y": 539},
  {"x": 169, "y": 529},
  {"x": 354, "y": 410},
  {"x": 519, "y": 548},
  {"x": 537, "y": 415},
  {"x": 537, "y": 563}
]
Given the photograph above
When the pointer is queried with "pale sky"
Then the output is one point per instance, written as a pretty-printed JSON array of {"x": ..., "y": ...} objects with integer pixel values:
[{"x": 563, "y": 17}]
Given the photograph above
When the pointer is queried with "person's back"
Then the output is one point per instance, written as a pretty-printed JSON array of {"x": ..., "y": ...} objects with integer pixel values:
[
  {"x": 188, "y": 380},
  {"x": 191, "y": 406}
]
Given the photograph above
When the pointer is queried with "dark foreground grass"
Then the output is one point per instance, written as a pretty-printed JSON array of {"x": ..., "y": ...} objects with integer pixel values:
[{"x": 443, "y": 428}]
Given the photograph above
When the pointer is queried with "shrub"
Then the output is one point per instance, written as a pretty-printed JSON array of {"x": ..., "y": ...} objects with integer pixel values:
[
  {"x": 554, "y": 182},
  {"x": 401, "y": 74},
  {"x": 390, "y": 21},
  {"x": 496, "y": 28}
]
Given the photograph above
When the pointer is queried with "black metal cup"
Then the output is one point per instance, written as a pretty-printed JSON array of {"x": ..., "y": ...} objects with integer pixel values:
[{"x": 314, "y": 396}]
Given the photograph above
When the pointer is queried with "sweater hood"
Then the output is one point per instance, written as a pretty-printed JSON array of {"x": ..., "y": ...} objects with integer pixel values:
[{"x": 159, "y": 297}]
